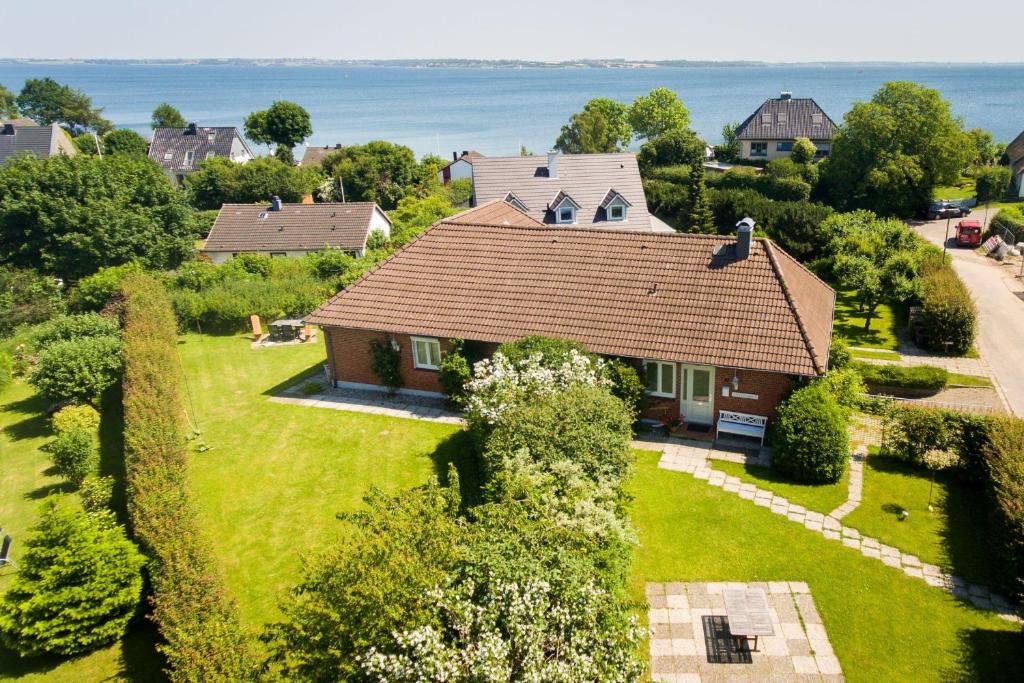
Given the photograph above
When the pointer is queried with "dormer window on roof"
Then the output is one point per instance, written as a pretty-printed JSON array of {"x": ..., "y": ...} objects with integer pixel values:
[
  {"x": 615, "y": 205},
  {"x": 564, "y": 208},
  {"x": 512, "y": 199}
]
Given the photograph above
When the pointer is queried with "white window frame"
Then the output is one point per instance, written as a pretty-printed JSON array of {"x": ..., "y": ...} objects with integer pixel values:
[
  {"x": 620, "y": 206},
  {"x": 168, "y": 156},
  {"x": 190, "y": 158},
  {"x": 431, "y": 341},
  {"x": 562, "y": 221},
  {"x": 661, "y": 365}
]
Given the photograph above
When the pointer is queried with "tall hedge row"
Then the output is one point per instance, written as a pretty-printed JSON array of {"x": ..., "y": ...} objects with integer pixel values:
[
  {"x": 196, "y": 616},
  {"x": 948, "y": 314}
]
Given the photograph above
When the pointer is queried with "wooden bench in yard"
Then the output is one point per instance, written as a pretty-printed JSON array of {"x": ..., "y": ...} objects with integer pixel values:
[{"x": 742, "y": 424}]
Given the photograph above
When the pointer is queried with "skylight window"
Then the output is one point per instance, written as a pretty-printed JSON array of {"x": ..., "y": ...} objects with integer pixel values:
[
  {"x": 168, "y": 156},
  {"x": 190, "y": 156}
]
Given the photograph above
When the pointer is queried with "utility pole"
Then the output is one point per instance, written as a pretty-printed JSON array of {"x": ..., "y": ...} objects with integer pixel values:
[{"x": 945, "y": 242}]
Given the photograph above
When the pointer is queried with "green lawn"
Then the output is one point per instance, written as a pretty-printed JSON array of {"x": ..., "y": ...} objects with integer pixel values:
[
  {"x": 25, "y": 480},
  {"x": 884, "y": 626},
  {"x": 276, "y": 475},
  {"x": 885, "y": 324},
  {"x": 951, "y": 536},
  {"x": 964, "y": 189},
  {"x": 875, "y": 354},
  {"x": 969, "y": 380},
  {"x": 822, "y": 498}
]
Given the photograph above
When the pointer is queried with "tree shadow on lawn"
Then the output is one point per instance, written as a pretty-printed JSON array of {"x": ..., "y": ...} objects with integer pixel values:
[
  {"x": 35, "y": 427},
  {"x": 457, "y": 449},
  {"x": 986, "y": 655}
]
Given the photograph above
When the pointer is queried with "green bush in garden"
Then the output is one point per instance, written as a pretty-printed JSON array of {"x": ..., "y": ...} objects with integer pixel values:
[
  {"x": 386, "y": 363},
  {"x": 1004, "y": 456},
  {"x": 925, "y": 377},
  {"x": 75, "y": 326},
  {"x": 949, "y": 317},
  {"x": 554, "y": 351},
  {"x": 78, "y": 369},
  {"x": 810, "y": 439},
  {"x": 455, "y": 372},
  {"x": 839, "y": 354},
  {"x": 77, "y": 586},
  {"x": 991, "y": 183},
  {"x": 626, "y": 385},
  {"x": 83, "y": 417},
  {"x": 96, "y": 493},
  {"x": 75, "y": 455}
]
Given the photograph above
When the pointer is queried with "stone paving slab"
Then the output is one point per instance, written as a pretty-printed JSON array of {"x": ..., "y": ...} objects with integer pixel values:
[
  {"x": 799, "y": 650},
  {"x": 372, "y": 402},
  {"x": 694, "y": 461}
]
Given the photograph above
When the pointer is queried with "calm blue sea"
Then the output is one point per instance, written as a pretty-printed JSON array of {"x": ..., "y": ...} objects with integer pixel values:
[{"x": 496, "y": 110}]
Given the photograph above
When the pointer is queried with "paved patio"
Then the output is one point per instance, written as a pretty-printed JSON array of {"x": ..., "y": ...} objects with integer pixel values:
[
  {"x": 373, "y": 402},
  {"x": 687, "y": 639}
]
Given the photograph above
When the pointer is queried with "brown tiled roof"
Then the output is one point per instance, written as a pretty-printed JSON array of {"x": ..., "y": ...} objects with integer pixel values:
[
  {"x": 314, "y": 156},
  {"x": 584, "y": 177},
  {"x": 671, "y": 297},
  {"x": 787, "y": 119},
  {"x": 494, "y": 213},
  {"x": 296, "y": 227}
]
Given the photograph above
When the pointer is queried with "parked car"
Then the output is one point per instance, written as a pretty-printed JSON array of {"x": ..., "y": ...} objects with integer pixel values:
[
  {"x": 968, "y": 233},
  {"x": 946, "y": 209}
]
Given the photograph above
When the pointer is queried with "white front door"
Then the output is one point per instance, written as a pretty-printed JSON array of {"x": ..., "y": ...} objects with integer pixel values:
[{"x": 697, "y": 393}]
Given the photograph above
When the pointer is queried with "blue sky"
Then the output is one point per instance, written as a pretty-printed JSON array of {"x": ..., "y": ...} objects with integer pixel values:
[{"x": 771, "y": 30}]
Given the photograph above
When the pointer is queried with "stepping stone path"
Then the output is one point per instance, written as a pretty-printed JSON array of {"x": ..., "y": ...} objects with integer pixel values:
[
  {"x": 856, "y": 485},
  {"x": 693, "y": 460}
]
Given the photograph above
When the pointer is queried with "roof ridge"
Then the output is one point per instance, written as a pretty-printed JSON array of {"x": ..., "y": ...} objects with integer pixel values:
[{"x": 769, "y": 249}]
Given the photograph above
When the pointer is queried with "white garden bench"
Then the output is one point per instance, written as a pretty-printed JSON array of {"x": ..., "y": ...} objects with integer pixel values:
[{"x": 743, "y": 424}]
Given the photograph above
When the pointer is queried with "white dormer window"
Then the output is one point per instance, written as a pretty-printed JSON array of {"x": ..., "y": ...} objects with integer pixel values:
[
  {"x": 168, "y": 156},
  {"x": 616, "y": 212},
  {"x": 190, "y": 156},
  {"x": 566, "y": 214}
]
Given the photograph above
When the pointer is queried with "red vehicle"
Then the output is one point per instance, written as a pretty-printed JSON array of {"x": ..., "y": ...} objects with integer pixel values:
[{"x": 968, "y": 233}]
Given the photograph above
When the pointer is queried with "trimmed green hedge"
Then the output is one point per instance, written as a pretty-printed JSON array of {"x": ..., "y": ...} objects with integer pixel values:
[
  {"x": 949, "y": 317},
  {"x": 925, "y": 377},
  {"x": 810, "y": 437},
  {"x": 1004, "y": 455},
  {"x": 198, "y": 620}
]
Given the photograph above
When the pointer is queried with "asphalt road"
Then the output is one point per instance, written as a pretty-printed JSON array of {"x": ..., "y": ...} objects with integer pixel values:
[{"x": 995, "y": 287}]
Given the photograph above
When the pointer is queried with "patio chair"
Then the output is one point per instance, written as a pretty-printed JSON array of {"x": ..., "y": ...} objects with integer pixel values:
[
  {"x": 258, "y": 334},
  {"x": 5, "y": 552},
  {"x": 308, "y": 334}
]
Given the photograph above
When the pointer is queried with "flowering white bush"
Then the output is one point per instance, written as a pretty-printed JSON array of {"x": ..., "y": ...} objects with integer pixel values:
[
  {"x": 498, "y": 383},
  {"x": 507, "y": 630}
]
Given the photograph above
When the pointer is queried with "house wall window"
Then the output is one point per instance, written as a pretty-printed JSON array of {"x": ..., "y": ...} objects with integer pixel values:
[
  {"x": 661, "y": 378},
  {"x": 758, "y": 149},
  {"x": 616, "y": 212},
  {"x": 783, "y": 146},
  {"x": 278, "y": 254},
  {"x": 566, "y": 214},
  {"x": 426, "y": 353}
]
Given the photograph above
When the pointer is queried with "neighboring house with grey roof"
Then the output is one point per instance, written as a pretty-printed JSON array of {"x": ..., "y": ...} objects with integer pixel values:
[
  {"x": 280, "y": 229},
  {"x": 581, "y": 190},
  {"x": 22, "y": 136},
  {"x": 180, "y": 150},
  {"x": 769, "y": 133},
  {"x": 1015, "y": 153}
]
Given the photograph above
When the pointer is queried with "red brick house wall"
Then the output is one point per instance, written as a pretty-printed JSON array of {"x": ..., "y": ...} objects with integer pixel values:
[{"x": 349, "y": 359}]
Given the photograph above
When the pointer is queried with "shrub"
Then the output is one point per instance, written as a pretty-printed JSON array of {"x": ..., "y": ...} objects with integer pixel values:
[
  {"x": 386, "y": 363},
  {"x": 810, "y": 437},
  {"x": 77, "y": 586},
  {"x": 991, "y": 183},
  {"x": 1010, "y": 220},
  {"x": 93, "y": 292},
  {"x": 793, "y": 225},
  {"x": 96, "y": 493},
  {"x": 553, "y": 352},
  {"x": 6, "y": 369},
  {"x": 1004, "y": 456},
  {"x": 254, "y": 264},
  {"x": 202, "y": 637},
  {"x": 925, "y": 377},
  {"x": 626, "y": 385},
  {"x": 377, "y": 240},
  {"x": 582, "y": 424},
  {"x": 75, "y": 455},
  {"x": 949, "y": 318},
  {"x": 27, "y": 298},
  {"x": 845, "y": 385},
  {"x": 456, "y": 372},
  {"x": 803, "y": 151},
  {"x": 78, "y": 369},
  {"x": 787, "y": 189},
  {"x": 909, "y": 432},
  {"x": 669, "y": 201},
  {"x": 76, "y": 326},
  {"x": 839, "y": 354}
]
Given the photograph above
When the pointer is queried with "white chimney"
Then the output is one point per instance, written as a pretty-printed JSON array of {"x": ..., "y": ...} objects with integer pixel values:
[
  {"x": 553, "y": 163},
  {"x": 744, "y": 231}
]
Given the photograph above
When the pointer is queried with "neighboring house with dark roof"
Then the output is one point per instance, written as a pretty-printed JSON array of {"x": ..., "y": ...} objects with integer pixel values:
[
  {"x": 461, "y": 166},
  {"x": 23, "y": 136},
  {"x": 714, "y": 323},
  {"x": 571, "y": 190},
  {"x": 1015, "y": 153},
  {"x": 769, "y": 133},
  {"x": 279, "y": 229},
  {"x": 314, "y": 156},
  {"x": 180, "y": 150}
]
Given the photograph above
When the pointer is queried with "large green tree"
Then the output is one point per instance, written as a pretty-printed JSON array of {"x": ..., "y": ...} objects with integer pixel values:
[
  {"x": 166, "y": 115},
  {"x": 285, "y": 124},
  {"x": 892, "y": 151},
  {"x": 125, "y": 141},
  {"x": 378, "y": 171},
  {"x": 220, "y": 181},
  {"x": 8, "y": 104},
  {"x": 77, "y": 586},
  {"x": 657, "y": 113},
  {"x": 675, "y": 147},
  {"x": 602, "y": 126},
  {"x": 68, "y": 216},
  {"x": 48, "y": 101},
  {"x": 26, "y": 297}
]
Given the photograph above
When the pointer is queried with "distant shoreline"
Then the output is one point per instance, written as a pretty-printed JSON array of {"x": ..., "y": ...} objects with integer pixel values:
[{"x": 482, "y": 63}]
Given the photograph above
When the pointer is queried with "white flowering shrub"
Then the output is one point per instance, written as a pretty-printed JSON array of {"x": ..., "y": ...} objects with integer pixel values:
[
  {"x": 498, "y": 383},
  {"x": 525, "y": 631}
]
